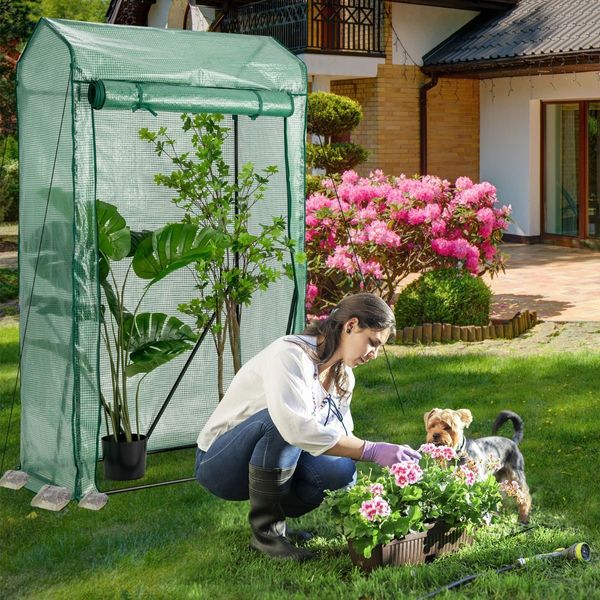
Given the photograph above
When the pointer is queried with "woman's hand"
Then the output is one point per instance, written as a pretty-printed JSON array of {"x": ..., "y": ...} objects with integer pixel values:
[{"x": 386, "y": 455}]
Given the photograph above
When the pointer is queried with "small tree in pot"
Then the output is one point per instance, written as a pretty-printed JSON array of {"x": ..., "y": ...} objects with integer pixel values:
[{"x": 211, "y": 196}]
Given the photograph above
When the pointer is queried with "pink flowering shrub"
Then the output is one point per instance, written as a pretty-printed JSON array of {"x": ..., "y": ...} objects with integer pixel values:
[
  {"x": 387, "y": 227},
  {"x": 409, "y": 496}
]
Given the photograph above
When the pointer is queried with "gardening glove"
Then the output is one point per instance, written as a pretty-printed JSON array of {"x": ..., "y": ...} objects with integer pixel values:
[{"x": 386, "y": 455}]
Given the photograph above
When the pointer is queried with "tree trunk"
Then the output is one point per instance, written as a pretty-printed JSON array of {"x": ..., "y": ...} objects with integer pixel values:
[{"x": 234, "y": 336}]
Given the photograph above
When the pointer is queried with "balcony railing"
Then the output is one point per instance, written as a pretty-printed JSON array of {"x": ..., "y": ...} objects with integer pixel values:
[{"x": 328, "y": 26}]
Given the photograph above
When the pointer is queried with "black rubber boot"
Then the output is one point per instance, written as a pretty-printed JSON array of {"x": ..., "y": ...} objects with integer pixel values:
[{"x": 267, "y": 519}]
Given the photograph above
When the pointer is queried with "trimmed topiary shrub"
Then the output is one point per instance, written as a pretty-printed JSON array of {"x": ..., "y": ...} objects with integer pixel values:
[
  {"x": 330, "y": 114},
  {"x": 335, "y": 158},
  {"x": 331, "y": 117},
  {"x": 444, "y": 296}
]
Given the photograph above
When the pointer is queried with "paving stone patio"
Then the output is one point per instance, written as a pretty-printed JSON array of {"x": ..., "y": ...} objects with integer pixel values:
[{"x": 561, "y": 284}]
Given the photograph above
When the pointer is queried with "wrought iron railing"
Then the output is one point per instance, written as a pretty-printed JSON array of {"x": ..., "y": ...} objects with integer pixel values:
[{"x": 354, "y": 26}]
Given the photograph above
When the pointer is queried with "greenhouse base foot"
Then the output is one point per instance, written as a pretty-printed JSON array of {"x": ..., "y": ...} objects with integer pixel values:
[
  {"x": 93, "y": 501},
  {"x": 51, "y": 497},
  {"x": 14, "y": 480}
]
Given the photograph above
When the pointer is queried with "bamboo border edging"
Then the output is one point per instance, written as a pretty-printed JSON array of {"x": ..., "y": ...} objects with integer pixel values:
[{"x": 428, "y": 333}]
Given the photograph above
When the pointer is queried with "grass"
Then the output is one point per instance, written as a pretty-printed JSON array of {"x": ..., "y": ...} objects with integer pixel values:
[{"x": 180, "y": 542}]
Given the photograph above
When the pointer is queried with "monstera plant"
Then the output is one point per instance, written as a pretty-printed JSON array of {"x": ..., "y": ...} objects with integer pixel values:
[{"x": 137, "y": 342}]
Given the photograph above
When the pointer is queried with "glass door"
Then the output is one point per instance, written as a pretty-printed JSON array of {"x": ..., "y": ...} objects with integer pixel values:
[{"x": 561, "y": 169}]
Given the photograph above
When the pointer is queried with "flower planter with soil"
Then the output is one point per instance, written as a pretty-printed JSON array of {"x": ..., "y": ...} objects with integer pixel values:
[{"x": 414, "y": 548}]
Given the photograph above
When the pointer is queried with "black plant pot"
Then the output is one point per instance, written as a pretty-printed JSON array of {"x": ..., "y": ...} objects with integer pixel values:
[{"x": 124, "y": 460}]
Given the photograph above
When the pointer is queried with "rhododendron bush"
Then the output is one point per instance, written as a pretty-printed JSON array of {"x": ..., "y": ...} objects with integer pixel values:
[
  {"x": 410, "y": 496},
  {"x": 387, "y": 227}
]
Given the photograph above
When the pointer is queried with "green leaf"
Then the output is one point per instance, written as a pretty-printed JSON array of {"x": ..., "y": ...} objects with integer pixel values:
[
  {"x": 153, "y": 339},
  {"x": 114, "y": 239},
  {"x": 113, "y": 303},
  {"x": 137, "y": 237},
  {"x": 154, "y": 355},
  {"x": 173, "y": 247}
]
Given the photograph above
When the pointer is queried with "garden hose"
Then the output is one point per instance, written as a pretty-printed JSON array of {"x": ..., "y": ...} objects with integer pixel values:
[{"x": 580, "y": 552}]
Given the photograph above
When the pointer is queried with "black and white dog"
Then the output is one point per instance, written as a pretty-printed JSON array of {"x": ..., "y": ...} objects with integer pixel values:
[{"x": 494, "y": 454}]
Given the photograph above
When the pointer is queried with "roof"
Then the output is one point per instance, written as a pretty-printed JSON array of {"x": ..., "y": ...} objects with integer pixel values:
[
  {"x": 532, "y": 30},
  {"x": 175, "y": 56}
]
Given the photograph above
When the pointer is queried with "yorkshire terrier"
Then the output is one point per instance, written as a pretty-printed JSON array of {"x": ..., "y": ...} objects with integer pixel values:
[{"x": 495, "y": 454}]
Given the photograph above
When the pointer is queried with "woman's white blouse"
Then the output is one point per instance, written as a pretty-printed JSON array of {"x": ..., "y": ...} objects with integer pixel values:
[{"x": 284, "y": 379}]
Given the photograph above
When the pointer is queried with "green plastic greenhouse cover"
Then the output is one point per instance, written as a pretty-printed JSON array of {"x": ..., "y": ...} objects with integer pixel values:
[
  {"x": 85, "y": 91},
  {"x": 176, "y": 98}
]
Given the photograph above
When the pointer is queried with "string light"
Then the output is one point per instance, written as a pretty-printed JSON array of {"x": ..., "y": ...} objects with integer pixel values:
[{"x": 510, "y": 87}]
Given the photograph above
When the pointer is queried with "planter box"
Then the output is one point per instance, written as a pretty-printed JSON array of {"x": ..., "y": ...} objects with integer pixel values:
[{"x": 413, "y": 549}]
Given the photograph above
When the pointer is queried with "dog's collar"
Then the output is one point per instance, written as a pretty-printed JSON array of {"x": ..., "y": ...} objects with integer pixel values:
[{"x": 462, "y": 445}]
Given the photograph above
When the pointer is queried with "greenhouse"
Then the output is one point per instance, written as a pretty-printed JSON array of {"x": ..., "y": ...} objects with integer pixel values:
[{"x": 88, "y": 180}]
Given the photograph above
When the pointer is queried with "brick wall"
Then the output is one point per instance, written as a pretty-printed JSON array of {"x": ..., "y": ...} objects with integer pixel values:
[
  {"x": 390, "y": 126},
  {"x": 453, "y": 129}
]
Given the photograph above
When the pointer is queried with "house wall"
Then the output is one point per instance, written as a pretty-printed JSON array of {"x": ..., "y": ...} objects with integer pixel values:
[
  {"x": 510, "y": 155},
  {"x": 391, "y": 126},
  {"x": 453, "y": 129},
  {"x": 422, "y": 28}
]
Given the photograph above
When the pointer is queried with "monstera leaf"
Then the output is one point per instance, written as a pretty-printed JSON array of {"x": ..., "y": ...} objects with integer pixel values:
[
  {"x": 114, "y": 237},
  {"x": 153, "y": 339},
  {"x": 173, "y": 247}
]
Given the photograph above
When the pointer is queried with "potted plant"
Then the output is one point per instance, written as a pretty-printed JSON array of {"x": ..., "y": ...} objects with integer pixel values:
[
  {"x": 414, "y": 512},
  {"x": 137, "y": 342}
]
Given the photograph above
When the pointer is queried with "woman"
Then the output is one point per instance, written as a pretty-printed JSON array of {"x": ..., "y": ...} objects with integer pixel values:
[{"x": 282, "y": 434}]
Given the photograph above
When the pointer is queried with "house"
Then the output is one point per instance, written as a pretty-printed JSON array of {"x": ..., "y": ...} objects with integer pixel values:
[{"x": 502, "y": 90}]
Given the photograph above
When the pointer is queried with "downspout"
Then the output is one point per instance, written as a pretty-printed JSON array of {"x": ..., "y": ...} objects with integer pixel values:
[{"x": 423, "y": 121}]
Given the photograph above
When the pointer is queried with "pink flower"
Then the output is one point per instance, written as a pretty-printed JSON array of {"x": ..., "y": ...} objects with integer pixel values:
[
  {"x": 439, "y": 452},
  {"x": 376, "y": 489},
  {"x": 416, "y": 216},
  {"x": 350, "y": 177},
  {"x": 375, "y": 508},
  {"x": 463, "y": 183},
  {"x": 406, "y": 473},
  {"x": 442, "y": 247},
  {"x": 312, "y": 292},
  {"x": 438, "y": 227},
  {"x": 467, "y": 474}
]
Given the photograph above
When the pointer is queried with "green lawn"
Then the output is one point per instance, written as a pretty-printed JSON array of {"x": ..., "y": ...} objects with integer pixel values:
[{"x": 179, "y": 542}]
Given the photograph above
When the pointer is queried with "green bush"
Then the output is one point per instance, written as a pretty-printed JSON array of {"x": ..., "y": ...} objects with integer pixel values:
[
  {"x": 330, "y": 114},
  {"x": 335, "y": 158},
  {"x": 9, "y": 192},
  {"x": 9, "y": 285},
  {"x": 444, "y": 296}
]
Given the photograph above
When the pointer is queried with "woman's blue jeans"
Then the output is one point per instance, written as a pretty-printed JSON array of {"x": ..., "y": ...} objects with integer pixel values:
[{"x": 223, "y": 469}]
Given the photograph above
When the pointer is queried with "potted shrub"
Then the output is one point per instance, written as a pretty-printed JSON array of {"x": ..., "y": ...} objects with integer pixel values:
[
  {"x": 414, "y": 512},
  {"x": 139, "y": 342}
]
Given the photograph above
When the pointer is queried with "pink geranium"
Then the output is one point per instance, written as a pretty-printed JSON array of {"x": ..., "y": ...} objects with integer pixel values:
[
  {"x": 439, "y": 452},
  {"x": 377, "y": 508},
  {"x": 406, "y": 473}
]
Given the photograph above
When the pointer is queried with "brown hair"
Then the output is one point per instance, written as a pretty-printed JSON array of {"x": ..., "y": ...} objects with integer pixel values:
[{"x": 372, "y": 313}]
